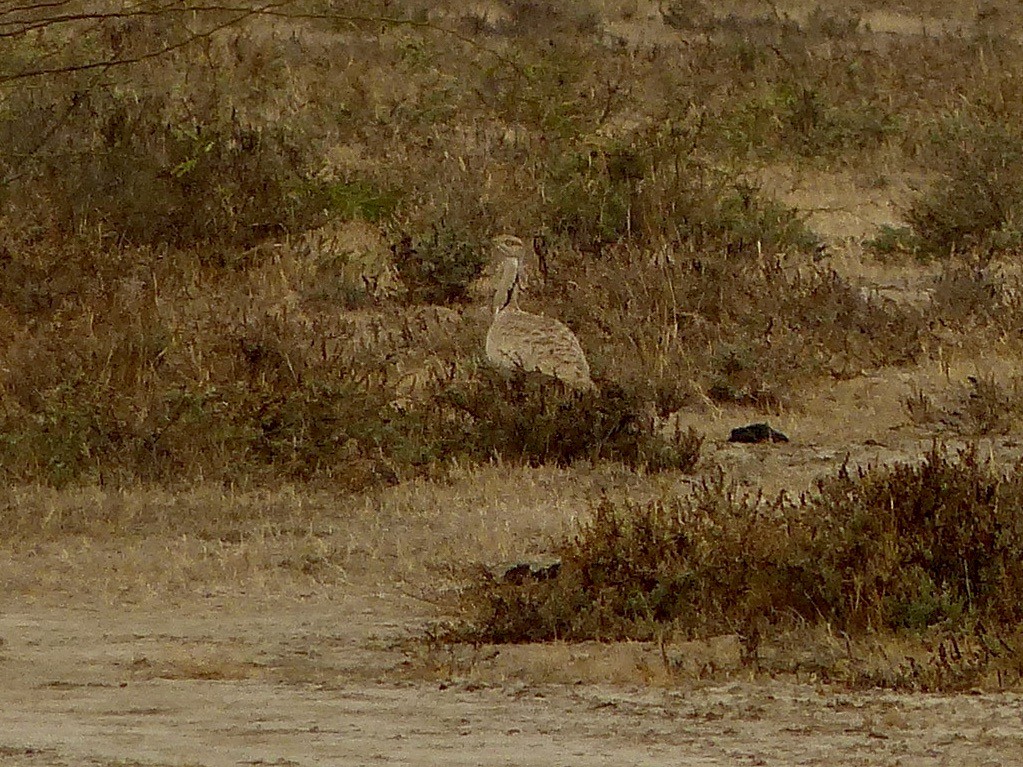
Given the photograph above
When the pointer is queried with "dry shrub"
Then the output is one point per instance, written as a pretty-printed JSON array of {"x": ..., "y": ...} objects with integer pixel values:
[
  {"x": 979, "y": 295},
  {"x": 880, "y": 549},
  {"x": 977, "y": 203},
  {"x": 955, "y": 662},
  {"x": 227, "y": 183},
  {"x": 794, "y": 118},
  {"x": 894, "y": 243},
  {"x": 736, "y": 323},
  {"x": 984, "y": 405},
  {"x": 537, "y": 419},
  {"x": 798, "y": 104},
  {"x": 966, "y": 296},
  {"x": 531, "y": 18},
  {"x": 116, "y": 418}
]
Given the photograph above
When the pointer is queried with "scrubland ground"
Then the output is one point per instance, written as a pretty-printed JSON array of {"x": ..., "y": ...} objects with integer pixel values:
[
  {"x": 260, "y": 484},
  {"x": 302, "y": 644}
]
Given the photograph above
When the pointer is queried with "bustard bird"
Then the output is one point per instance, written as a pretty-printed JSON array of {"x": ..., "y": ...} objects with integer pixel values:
[{"x": 519, "y": 340}]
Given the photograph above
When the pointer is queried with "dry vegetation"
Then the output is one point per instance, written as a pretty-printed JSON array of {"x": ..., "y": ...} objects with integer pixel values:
[
  {"x": 878, "y": 550},
  {"x": 260, "y": 258}
]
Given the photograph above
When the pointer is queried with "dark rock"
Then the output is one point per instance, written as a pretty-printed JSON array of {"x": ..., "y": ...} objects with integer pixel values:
[{"x": 756, "y": 432}]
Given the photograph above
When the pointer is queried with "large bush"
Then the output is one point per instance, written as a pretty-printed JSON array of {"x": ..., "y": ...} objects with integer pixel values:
[{"x": 895, "y": 547}]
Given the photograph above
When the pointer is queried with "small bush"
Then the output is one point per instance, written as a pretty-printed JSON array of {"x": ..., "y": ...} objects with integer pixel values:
[
  {"x": 357, "y": 199},
  {"x": 150, "y": 181},
  {"x": 966, "y": 297},
  {"x": 735, "y": 326},
  {"x": 646, "y": 188},
  {"x": 535, "y": 17},
  {"x": 987, "y": 406},
  {"x": 537, "y": 419},
  {"x": 813, "y": 127},
  {"x": 978, "y": 203},
  {"x": 438, "y": 268},
  {"x": 893, "y": 241},
  {"x": 592, "y": 198}
]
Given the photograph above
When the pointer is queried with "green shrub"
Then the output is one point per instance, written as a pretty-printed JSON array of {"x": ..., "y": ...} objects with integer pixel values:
[
  {"x": 150, "y": 181},
  {"x": 646, "y": 188},
  {"x": 536, "y": 419},
  {"x": 356, "y": 199},
  {"x": 590, "y": 202},
  {"x": 892, "y": 241},
  {"x": 439, "y": 267}
]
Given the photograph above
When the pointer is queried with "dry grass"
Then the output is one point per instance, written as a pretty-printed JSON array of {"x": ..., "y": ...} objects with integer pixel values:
[
  {"x": 147, "y": 542},
  {"x": 938, "y": 663},
  {"x": 920, "y": 551},
  {"x": 240, "y": 317},
  {"x": 245, "y": 304}
]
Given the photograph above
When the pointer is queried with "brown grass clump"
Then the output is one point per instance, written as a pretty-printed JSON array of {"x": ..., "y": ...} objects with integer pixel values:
[
  {"x": 978, "y": 296},
  {"x": 738, "y": 326},
  {"x": 976, "y": 203},
  {"x": 983, "y": 405}
]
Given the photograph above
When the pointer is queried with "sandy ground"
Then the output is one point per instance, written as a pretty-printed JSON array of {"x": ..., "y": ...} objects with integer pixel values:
[{"x": 319, "y": 680}]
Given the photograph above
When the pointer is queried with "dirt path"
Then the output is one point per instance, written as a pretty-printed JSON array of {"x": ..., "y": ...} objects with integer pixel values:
[{"x": 319, "y": 681}]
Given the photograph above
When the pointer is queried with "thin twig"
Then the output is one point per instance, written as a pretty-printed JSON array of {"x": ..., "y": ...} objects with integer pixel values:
[{"x": 272, "y": 10}]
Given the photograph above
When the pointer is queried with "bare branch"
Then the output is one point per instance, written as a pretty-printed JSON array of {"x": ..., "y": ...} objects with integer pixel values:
[
  {"x": 116, "y": 62},
  {"x": 276, "y": 9},
  {"x": 32, "y": 7},
  {"x": 22, "y": 26}
]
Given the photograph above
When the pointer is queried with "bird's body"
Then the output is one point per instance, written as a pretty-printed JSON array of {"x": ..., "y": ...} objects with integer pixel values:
[{"x": 521, "y": 340}]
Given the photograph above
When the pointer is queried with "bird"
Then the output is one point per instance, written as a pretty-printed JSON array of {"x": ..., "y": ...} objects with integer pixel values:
[{"x": 519, "y": 340}]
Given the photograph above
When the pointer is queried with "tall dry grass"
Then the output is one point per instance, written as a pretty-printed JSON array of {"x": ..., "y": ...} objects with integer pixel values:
[{"x": 226, "y": 261}]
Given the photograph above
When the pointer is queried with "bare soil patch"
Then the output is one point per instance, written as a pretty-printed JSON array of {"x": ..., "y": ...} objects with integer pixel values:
[{"x": 312, "y": 681}]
